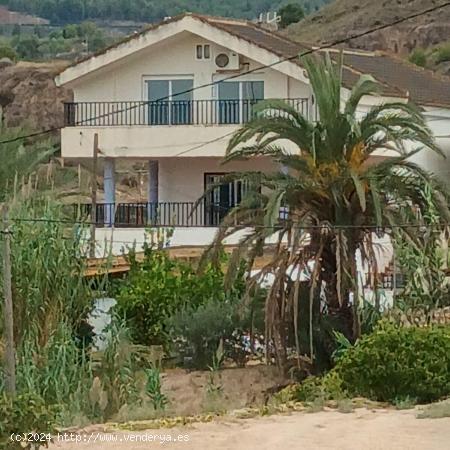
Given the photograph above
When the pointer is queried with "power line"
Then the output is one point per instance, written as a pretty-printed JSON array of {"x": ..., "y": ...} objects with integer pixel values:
[
  {"x": 293, "y": 57},
  {"x": 203, "y": 144},
  {"x": 246, "y": 226},
  {"x": 266, "y": 66}
]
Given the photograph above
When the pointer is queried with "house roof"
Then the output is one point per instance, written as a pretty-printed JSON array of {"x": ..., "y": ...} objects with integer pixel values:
[{"x": 396, "y": 78}]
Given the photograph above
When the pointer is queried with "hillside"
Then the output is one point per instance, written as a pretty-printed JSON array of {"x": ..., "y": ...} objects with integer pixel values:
[
  {"x": 29, "y": 96},
  {"x": 342, "y": 18},
  {"x": 72, "y": 11}
]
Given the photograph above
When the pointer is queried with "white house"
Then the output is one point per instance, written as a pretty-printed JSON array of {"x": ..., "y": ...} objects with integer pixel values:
[{"x": 173, "y": 94}]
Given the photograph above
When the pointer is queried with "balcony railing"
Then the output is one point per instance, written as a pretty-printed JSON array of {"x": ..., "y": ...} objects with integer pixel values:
[
  {"x": 184, "y": 112},
  {"x": 162, "y": 214}
]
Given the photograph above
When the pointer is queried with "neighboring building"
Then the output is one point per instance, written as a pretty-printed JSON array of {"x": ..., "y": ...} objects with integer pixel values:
[{"x": 118, "y": 92}]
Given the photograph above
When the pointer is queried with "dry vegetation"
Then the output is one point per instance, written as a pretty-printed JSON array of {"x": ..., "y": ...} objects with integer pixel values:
[{"x": 342, "y": 18}]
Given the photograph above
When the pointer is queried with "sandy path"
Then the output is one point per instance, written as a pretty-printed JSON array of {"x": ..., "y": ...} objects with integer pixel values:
[{"x": 361, "y": 430}]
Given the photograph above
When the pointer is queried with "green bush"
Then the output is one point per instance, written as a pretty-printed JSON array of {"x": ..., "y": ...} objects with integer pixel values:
[
  {"x": 396, "y": 363},
  {"x": 442, "y": 54},
  {"x": 418, "y": 57},
  {"x": 290, "y": 13},
  {"x": 328, "y": 387},
  {"x": 202, "y": 328},
  {"x": 26, "y": 413},
  {"x": 7, "y": 52},
  {"x": 158, "y": 288}
]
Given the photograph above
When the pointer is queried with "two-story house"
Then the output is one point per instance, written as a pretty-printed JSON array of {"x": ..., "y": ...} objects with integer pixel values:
[{"x": 173, "y": 94}]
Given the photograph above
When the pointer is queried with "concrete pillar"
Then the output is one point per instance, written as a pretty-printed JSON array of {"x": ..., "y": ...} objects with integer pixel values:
[
  {"x": 109, "y": 183},
  {"x": 153, "y": 190}
]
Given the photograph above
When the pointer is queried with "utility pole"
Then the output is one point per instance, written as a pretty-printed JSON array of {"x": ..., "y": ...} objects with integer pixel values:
[
  {"x": 8, "y": 315},
  {"x": 94, "y": 197}
]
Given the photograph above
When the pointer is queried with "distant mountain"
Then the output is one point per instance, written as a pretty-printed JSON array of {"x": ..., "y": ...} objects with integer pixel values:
[
  {"x": 71, "y": 11},
  {"x": 342, "y": 18}
]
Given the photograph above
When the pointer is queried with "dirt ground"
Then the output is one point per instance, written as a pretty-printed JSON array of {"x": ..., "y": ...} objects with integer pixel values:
[
  {"x": 362, "y": 429},
  {"x": 240, "y": 387}
]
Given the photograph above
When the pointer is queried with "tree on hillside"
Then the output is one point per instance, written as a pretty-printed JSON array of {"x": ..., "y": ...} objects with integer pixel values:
[
  {"x": 28, "y": 47},
  {"x": 291, "y": 13},
  {"x": 73, "y": 11},
  {"x": 334, "y": 193}
]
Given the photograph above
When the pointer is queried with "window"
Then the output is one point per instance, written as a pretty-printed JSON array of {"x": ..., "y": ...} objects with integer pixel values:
[
  {"x": 199, "y": 53},
  {"x": 206, "y": 52},
  {"x": 223, "y": 197},
  {"x": 237, "y": 99},
  {"x": 203, "y": 51},
  {"x": 170, "y": 101}
]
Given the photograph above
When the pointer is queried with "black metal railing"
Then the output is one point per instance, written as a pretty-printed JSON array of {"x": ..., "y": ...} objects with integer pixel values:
[
  {"x": 180, "y": 112},
  {"x": 161, "y": 214}
]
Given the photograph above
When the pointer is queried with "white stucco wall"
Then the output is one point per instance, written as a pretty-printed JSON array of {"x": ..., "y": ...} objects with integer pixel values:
[
  {"x": 438, "y": 120},
  {"x": 117, "y": 241},
  {"x": 182, "y": 179},
  {"x": 124, "y": 80}
]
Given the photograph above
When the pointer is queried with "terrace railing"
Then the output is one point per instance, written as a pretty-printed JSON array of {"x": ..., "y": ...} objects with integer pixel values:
[
  {"x": 183, "y": 112},
  {"x": 162, "y": 214}
]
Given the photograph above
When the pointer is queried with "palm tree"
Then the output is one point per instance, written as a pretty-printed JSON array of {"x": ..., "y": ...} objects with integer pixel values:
[{"x": 335, "y": 192}]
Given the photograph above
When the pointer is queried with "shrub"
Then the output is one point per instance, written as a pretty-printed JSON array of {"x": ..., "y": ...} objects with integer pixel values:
[
  {"x": 328, "y": 387},
  {"x": 7, "y": 52},
  {"x": 160, "y": 287},
  {"x": 418, "y": 57},
  {"x": 443, "y": 54},
  {"x": 290, "y": 13},
  {"x": 202, "y": 328},
  {"x": 397, "y": 363},
  {"x": 26, "y": 413}
]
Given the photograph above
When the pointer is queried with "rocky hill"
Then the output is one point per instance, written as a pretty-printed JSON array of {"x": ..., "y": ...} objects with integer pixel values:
[
  {"x": 29, "y": 96},
  {"x": 343, "y": 18}
]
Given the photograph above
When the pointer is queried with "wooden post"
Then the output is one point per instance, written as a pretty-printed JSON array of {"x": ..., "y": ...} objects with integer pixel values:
[
  {"x": 8, "y": 315},
  {"x": 94, "y": 197}
]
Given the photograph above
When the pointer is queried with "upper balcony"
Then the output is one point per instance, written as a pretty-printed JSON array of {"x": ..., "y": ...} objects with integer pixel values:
[
  {"x": 158, "y": 113},
  {"x": 158, "y": 129}
]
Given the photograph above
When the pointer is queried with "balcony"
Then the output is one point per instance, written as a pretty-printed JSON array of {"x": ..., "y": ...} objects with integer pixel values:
[
  {"x": 161, "y": 214},
  {"x": 192, "y": 112}
]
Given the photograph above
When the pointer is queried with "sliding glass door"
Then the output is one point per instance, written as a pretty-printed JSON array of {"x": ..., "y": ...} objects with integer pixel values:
[
  {"x": 222, "y": 197},
  {"x": 252, "y": 93},
  {"x": 228, "y": 104},
  {"x": 237, "y": 99},
  {"x": 170, "y": 101}
]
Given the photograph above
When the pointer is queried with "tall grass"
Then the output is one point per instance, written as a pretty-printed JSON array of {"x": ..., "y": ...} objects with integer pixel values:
[
  {"x": 20, "y": 160},
  {"x": 60, "y": 373},
  {"x": 49, "y": 287},
  {"x": 51, "y": 300}
]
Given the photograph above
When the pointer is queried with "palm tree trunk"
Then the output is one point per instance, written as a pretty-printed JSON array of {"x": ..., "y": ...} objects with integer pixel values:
[{"x": 279, "y": 341}]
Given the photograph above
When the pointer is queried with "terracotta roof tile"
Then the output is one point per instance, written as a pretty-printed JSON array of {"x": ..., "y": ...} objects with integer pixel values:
[{"x": 423, "y": 86}]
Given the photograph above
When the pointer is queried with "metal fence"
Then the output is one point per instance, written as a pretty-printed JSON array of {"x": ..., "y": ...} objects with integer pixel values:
[
  {"x": 183, "y": 112},
  {"x": 161, "y": 214}
]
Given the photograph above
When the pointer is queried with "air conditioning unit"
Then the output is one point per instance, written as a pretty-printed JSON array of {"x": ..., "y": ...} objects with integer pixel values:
[{"x": 227, "y": 61}]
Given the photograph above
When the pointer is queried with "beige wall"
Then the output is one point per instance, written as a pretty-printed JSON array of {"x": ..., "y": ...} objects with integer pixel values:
[
  {"x": 182, "y": 179},
  {"x": 124, "y": 80}
]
